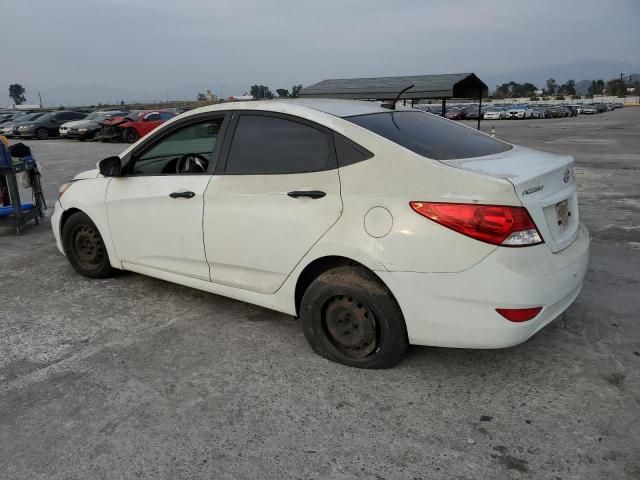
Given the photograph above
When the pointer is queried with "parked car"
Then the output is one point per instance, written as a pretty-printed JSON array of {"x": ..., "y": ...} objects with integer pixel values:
[
  {"x": 89, "y": 126},
  {"x": 456, "y": 114},
  {"x": 471, "y": 113},
  {"x": 48, "y": 124},
  {"x": 589, "y": 110},
  {"x": 378, "y": 228},
  {"x": 133, "y": 126},
  {"x": 10, "y": 128},
  {"x": 495, "y": 114},
  {"x": 521, "y": 112},
  {"x": 617, "y": 105},
  {"x": 537, "y": 112}
]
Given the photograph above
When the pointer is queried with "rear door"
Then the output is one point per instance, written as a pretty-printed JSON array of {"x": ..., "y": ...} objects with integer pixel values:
[{"x": 276, "y": 193}]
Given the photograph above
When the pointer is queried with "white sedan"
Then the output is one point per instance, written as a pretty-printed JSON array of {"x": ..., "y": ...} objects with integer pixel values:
[
  {"x": 521, "y": 112},
  {"x": 495, "y": 114},
  {"x": 379, "y": 228}
]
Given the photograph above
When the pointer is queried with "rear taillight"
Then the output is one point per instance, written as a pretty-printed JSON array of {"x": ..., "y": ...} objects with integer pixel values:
[
  {"x": 519, "y": 314},
  {"x": 495, "y": 224}
]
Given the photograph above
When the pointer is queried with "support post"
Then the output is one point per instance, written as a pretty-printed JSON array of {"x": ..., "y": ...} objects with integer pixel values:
[
  {"x": 480, "y": 110},
  {"x": 444, "y": 107}
]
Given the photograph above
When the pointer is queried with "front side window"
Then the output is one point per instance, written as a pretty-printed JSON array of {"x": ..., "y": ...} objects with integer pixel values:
[
  {"x": 429, "y": 135},
  {"x": 266, "y": 145},
  {"x": 185, "y": 151}
]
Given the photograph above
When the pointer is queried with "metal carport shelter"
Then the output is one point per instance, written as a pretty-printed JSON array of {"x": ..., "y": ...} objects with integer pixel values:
[{"x": 443, "y": 87}]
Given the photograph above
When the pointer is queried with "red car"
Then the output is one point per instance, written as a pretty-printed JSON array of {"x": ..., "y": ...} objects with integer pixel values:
[{"x": 134, "y": 126}]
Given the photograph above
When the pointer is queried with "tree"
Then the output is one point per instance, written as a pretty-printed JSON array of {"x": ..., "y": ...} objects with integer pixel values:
[
  {"x": 16, "y": 92},
  {"x": 568, "y": 88},
  {"x": 551, "y": 86},
  {"x": 295, "y": 90},
  {"x": 502, "y": 91},
  {"x": 282, "y": 92},
  {"x": 616, "y": 87},
  {"x": 260, "y": 91},
  {"x": 201, "y": 97}
]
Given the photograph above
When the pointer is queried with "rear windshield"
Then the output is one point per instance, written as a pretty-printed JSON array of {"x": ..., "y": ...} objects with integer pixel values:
[{"x": 429, "y": 135}]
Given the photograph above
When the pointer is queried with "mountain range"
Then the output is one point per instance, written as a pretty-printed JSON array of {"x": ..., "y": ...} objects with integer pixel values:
[{"x": 583, "y": 70}]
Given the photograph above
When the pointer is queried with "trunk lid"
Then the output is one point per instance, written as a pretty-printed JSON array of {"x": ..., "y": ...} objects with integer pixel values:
[{"x": 544, "y": 184}]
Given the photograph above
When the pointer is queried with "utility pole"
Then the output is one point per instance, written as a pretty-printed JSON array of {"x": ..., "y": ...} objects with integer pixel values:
[{"x": 40, "y": 97}]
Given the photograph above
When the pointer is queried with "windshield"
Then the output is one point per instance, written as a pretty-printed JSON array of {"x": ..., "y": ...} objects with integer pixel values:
[
  {"x": 29, "y": 116},
  {"x": 429, "y": 135},
  {"x": 46, "y": 116},
  {"x": 135, "y": 115}
]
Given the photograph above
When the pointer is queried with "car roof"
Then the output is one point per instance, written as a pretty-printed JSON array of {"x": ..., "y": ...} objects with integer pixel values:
[{"x": 336, "y": 107}]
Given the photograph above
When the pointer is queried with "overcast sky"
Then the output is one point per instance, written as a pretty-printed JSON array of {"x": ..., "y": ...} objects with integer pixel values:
[{"x": 155, "y": 44}]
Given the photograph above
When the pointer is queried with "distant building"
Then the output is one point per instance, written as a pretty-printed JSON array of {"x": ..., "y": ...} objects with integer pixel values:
[{"x": 211, "y": 98}]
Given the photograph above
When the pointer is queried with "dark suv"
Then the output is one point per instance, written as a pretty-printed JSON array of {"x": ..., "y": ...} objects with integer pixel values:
[{"x": 47, "y": 125}]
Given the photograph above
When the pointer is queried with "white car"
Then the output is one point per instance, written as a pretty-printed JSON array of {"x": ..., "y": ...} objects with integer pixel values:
[
  {"x": 378, "y": 228},
  {"x": 495, "y": 114},
  {"x": 520, "y": 112},
  {"x": 92, "y": 117}
]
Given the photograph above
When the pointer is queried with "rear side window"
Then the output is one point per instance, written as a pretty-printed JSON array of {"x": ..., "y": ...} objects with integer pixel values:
[
  {"x": 265, "y": 145},
  {"x": 429, "y": 135}
]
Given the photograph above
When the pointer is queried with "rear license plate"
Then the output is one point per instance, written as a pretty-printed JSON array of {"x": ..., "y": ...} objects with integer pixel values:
[{"x": 562, "y": 212}]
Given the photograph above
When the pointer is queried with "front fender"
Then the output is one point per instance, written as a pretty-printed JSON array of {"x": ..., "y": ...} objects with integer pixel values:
[{"x": 88, "y": 196}]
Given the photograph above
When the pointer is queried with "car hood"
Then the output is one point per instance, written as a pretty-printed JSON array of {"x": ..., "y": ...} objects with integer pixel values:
[
  {"x": 82, "y": 124},
  {"x": 75, "y": 123},
  {"x": 86, "y": 175}
]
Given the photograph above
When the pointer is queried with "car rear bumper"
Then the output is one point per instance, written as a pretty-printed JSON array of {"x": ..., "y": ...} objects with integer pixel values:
[{"x": 458, "y": 309}]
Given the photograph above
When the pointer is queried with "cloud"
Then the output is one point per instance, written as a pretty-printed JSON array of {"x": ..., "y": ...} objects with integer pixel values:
[{"x": 157, "y": 44}]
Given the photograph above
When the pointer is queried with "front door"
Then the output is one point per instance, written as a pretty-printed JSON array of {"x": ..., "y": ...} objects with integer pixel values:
[
  {"x": 276, "y": 195},
  {"x": 155, "y": 211}
]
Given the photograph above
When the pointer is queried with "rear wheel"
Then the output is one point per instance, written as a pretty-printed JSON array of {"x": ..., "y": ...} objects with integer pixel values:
[
  {"x": 85, "y": 248},
  {"x": 350, "y": 317},
  {"x": 130, "y": 135},
  {"x": 42, "y": 134}
]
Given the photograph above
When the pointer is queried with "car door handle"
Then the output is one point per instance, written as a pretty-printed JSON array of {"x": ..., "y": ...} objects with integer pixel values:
[
  {"x": 182, "y": 195},
  {"x": 307, "y": 193}
]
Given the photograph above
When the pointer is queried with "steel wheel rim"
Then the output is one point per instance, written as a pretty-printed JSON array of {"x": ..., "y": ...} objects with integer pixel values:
[
  {"x": 87, "y": 247},
  {"x": 42, "y": 134},
  {"x": 350, "y": 326}
]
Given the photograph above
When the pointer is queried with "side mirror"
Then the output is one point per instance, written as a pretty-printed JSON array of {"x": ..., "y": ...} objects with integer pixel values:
[{"x": 110, "y": 167}]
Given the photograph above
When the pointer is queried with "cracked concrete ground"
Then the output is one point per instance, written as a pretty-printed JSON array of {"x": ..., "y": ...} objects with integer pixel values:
[{"x": 133, "y": 377}]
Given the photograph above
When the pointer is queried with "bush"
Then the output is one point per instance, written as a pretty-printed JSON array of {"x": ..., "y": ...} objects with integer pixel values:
[
  {"x": 559, "y": 97},
  {"x": 545, "y": 98},
  {"x": 576, "y": 97},
  {"x": 534, "y": 99},
  {"x": 588, "y": 97}
]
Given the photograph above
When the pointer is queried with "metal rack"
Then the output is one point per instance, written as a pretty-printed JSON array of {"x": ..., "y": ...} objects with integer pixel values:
[{"x": 20, "y": 217}]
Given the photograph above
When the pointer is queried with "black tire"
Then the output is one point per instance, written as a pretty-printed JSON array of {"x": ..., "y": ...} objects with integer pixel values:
[
  {"x": 42, "y": 134},
  {"x": 85, "y": 248},
  {"x": 349, "y": 316},
  {"x": 130, "y": 135}
]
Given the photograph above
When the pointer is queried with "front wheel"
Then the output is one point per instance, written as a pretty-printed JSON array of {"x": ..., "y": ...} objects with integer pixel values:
[
  {"x": 85, "y": 248},
  {"x": 130, "y": 135},
  {"x": 42, "y": 134},
  {"x": 349, "y": 316}
]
